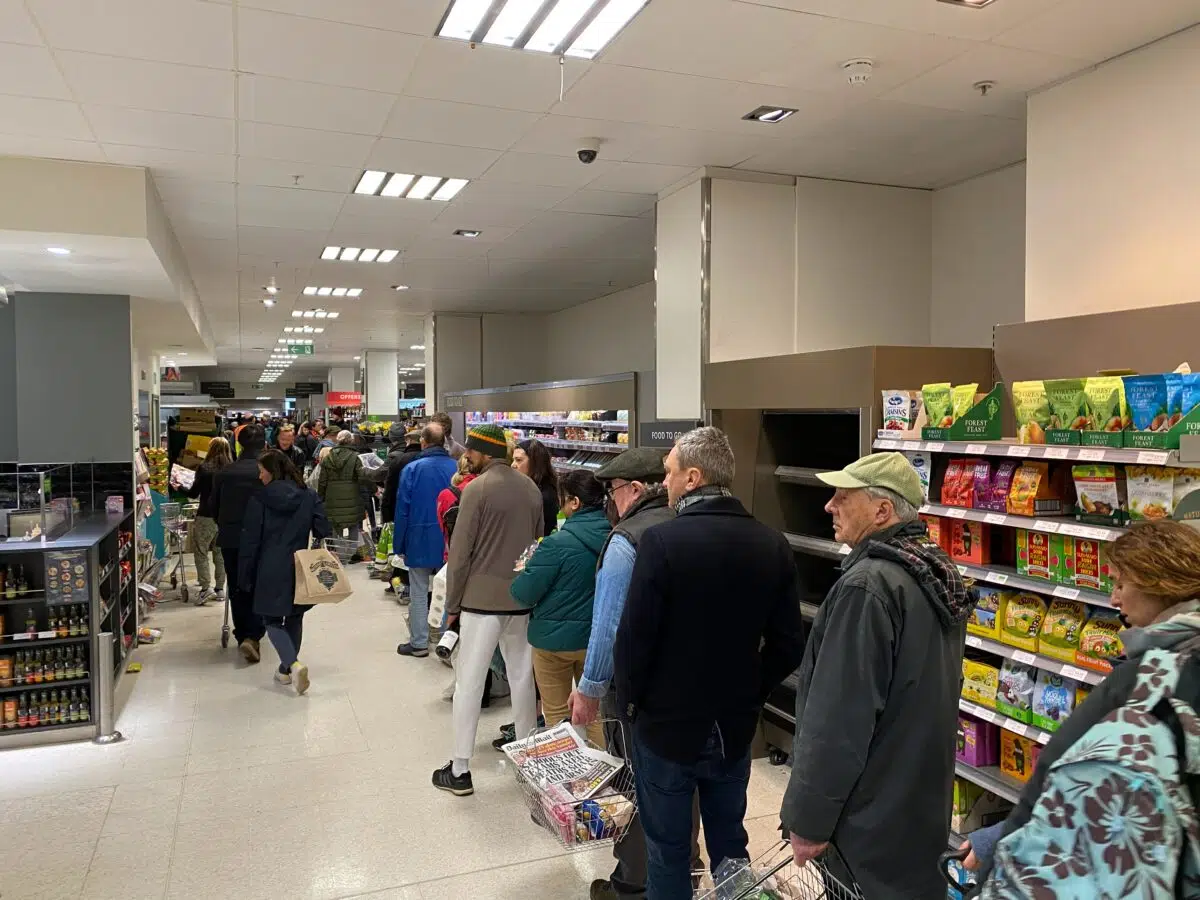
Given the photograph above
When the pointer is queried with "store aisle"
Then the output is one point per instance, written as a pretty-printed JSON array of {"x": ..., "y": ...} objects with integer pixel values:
[{"x": 231, "y": 786}]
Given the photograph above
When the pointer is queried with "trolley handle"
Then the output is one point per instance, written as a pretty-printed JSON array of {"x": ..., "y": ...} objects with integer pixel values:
[{"x": 968, "y": 891}]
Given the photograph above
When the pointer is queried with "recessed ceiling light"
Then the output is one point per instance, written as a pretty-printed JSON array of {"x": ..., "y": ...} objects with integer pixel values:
[
  {"x": 58, "y": 251},
  {"x": 354, "y": 292},
  {"x": 972, "y": 4},
  {"x": 357, "y": 358},
  {"x": 424, "y": 187},
  {"x": 297, "y": 313},
  {"x": 769, "y": 114},
  {"x": 467, "y": 233},
  {"x": 319, "y": 330},
  {"x": 262, "y": 398},
  {"x": 333, "y": 315},
  {"x": 388, "y": 255},
  {"x": 449, "y": 189},
  {"x": 268, "y": 302},
  {"x": 324, "y": 292},
  {"x": 369, "y": 255},
  {"x": 604, "y": 27},
  {"x": 579, "y": 28},
  {"x": 258, "y": 349},
  {"x": 356, "y": 254},
  {"x": 369, "y": 182},
  {"x": 399, "y": 287},
  {"x": 330, "y": 252},
  {"x": 310, "y": 290},
  {"x": 396, "y": 185},
  {"x": 514, "y": 18},
  {"x": 287, "y": 328},
  {"x": 417, "y": 347},
  {"x": 309, "y": 313},
  {"x": 560, "y": 22},
  {"x": 339, "y": 292},
  {"x": 350, "y": 253}
]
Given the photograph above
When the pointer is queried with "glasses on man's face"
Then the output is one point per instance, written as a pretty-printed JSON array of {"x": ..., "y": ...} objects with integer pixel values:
[{"x": 611, "y": 492}]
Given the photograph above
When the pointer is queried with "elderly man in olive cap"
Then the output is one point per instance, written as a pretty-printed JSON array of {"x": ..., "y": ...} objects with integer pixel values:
[
  {"x": 877, "y": 699},
  {"x": 637, "y": 501}
]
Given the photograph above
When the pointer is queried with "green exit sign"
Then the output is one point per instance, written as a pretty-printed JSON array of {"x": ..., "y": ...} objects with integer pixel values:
[{"x": 300, "y": 349}]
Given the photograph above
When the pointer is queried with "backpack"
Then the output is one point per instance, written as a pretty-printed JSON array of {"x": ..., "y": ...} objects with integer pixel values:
[
  {"x": 451, "y": 515},
  {"x": 1117, "y": 815}
]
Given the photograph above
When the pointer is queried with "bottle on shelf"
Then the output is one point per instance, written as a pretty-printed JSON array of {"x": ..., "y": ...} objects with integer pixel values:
[
  {"x": 73, "y": 706},
  {"x": 60, "y": 667},
  {"x": 10, "y": 713},
  {"x": 30, "y": 621},
  {"x": 3, "y": 578},
  {"x": 22, "y": 584},
  {"x": 84, "y": 625},
  {"x": 72, "y": 622},
  {"x": 10, "y": 584},
  {"x": 85, "y": 707},
  {"x": 23, "y": 711},
  {"x": 64, "y": 624},
  {"x": 6, "y": 671}
]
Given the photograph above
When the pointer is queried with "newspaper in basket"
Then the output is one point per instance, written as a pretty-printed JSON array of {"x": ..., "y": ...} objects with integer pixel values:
[
  {"x": 580, "y": 794},
  {"x": 775, "y": 876}
]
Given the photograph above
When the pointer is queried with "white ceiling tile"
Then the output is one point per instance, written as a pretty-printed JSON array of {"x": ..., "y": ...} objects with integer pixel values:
[
  {"x": 898, "y": 55},
  {"x": 608, "y": 203},
  {"x": 686, "y": 147},
  {"x": 463, "y": 124},
  {"x": 411, "y": 16},
  {"x": 392, "y": 209},
  {"x": 278, "y": 243},
  {"x": 445, "y": 226},
  {"x": 523, "y": 196},
  {"x": 287, "y": 208},
  {"x": 490, "y": 76},
  {"x": 185, "y": 191},
  {"x": 714, "y": 38},
  {"x": 173, "y": 163},
  {"x": 559, "y": 136},
  {"x": 279, "y": 173},
  {"x": 111, "y": 81},
  {"x": 1097, "y": 30},
  {"x": 1015, "y": 72},
  {"x": 448, "y": 248},
  {"x": 50, "y": 148},
  {"x": 488, "y": 214},
  {"x": 171, "y": 131},
  {"x": 923, "y": 16},
  {"x": 282, "y": 142},
  {"x": 326, "y": 52},
  {"x": 417, "y": 158},
  {"x": 16, "y": 25},
  {"x": 354, "y": 231},
  {"x": 536, "y": 168},
  {"x": 278, "y": 101},
  {"x": 640, "y": 178},
  {"x": 177, "y": 31},
  {"x": 33, "y": 70},
  {"x": 43, "y": 118},
  {"x": 191, "y": 216}
]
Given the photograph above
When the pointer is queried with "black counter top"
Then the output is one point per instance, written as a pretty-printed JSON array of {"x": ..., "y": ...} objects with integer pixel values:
[{"x": 88, "y": 530}]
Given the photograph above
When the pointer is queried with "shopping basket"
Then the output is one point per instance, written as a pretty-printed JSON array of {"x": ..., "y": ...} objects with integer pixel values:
[
  {"x": 345, "y": 549},
  {"x": 775, "y": 876},
  {"x": 577, "y": 824}
]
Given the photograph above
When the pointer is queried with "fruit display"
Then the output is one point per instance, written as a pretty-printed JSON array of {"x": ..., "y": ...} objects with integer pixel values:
[{"x": 157, "y": 458}]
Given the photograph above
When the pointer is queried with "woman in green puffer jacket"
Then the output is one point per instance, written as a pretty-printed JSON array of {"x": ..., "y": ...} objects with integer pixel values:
[
  {"x": 338, "y": 487},
  {"x": 559, "y": 585}
]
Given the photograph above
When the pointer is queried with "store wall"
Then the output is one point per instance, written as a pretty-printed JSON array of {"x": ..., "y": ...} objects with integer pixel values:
[
  {"x": 679, "y": 309},
  {"x": 458, "y": 354},
  {"x": 978, "y": 258},
  {"x": 8, "y": 383},
  {"x": 512, "y": 349},
  {"x": 1113, "y": 189},
  {"x": 73, "y": 384}
]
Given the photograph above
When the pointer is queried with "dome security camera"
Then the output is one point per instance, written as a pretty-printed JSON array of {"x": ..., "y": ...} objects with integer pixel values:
[{"x": 589, "y": 149}]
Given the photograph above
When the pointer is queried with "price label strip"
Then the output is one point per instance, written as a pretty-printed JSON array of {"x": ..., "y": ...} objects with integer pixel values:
[
  {"x": 1073, "y": 672},
  {"x": 888, "y": 445},
  {"x": 977, "y": 449},
  {"x": 1055, "y": 453},
  {"x": 1066, "y": 593},
  {"x": 1153, "y": 457},
  {"x": 995, "y": 518},
  {"x": 934, "y": 447},
  {"x": 1092, "y": 454},
  {"x": 1024, "y": 656},
  {"x": 996, "y": 577},
  {"x": 1047, "y": 526},
  {"x": 955, "y": 513}
]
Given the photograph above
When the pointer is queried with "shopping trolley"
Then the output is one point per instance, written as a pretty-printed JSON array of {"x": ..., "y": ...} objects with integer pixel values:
[
  {"x": 345, "y": 549},
  {"x": 599, "y": 820},
  {"x": 775, "y": 876},
  {"x": 177, "y": 519}
]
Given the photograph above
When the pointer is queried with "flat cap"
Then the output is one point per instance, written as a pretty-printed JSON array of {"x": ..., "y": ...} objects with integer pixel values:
[{"x": 636, "y": 464}]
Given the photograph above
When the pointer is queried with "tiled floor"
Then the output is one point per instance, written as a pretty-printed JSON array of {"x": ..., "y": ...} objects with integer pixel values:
[{"x": 229, "y": 786}]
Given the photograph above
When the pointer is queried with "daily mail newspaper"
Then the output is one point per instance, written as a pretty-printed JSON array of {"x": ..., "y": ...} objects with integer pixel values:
[{"x": 558, "y": 756}]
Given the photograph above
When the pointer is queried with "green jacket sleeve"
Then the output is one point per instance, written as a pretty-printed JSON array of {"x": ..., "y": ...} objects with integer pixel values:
[{"x": 532, "y": 585}]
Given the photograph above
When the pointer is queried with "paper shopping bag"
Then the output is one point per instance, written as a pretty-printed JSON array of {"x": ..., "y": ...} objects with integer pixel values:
[
  {"x": 437, "y": 598},
  {"x": 320, "y": 578}
]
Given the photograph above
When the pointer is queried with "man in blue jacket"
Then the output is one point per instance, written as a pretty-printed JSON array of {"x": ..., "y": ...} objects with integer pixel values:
[{"x": 417, "y": 536}]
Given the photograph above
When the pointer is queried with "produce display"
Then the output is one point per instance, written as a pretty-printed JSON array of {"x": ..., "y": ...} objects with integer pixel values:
[{"x": 157, "y": 458}]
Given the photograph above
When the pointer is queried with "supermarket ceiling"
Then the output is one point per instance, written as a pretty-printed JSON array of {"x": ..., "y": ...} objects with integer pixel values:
[{"x": 258, "y": 117}]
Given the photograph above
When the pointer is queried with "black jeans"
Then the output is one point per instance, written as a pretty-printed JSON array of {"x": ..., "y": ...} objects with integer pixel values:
[{"x": 247, "y": 626}]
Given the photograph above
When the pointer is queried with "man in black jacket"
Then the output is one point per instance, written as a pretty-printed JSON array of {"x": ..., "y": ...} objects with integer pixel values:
[
  {"x": 404, "y": 448},
  {"x": 233, "y": 487},
  {"x": 711, "y": 626},
  {"x": 286, "y": 444},
  {"x": 877, "y": 698}
]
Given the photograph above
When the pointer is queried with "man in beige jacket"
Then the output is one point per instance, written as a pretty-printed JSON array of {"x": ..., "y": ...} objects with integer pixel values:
[{"x": 500, "y": 516}]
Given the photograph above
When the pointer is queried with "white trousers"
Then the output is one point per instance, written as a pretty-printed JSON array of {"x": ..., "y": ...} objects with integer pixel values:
[{"x": 478, "y": 637}]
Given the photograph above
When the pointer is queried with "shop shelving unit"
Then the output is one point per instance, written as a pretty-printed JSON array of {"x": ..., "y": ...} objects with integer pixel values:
[{"x": 792, "y": 417}]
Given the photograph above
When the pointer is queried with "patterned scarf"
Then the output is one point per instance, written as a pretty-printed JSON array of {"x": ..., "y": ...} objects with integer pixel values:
[
  {"x": 704, "y": 492},
  {"x": 909, "y": 546}
]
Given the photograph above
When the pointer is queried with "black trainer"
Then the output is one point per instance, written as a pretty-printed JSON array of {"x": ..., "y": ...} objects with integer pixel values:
[
  {"x": 602, "y": 889},
  {"x": 410, "y": 650},
  {"x": 444, "y": 779}
]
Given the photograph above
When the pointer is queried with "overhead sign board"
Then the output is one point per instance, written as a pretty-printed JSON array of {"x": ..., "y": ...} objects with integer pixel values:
[
  {"x": 219, "y": 390},
  {"x": 343, "y": 398},
  {"x": 306, "y": 388},
  {"x": 300, "y": 349},
  {"x": 664, "y": 433}
]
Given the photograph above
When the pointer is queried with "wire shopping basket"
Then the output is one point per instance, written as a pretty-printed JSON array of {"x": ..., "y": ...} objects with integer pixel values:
[
  {"x": 581, "y": 794},
  {"x": 775, "y": 876},
  {"x": 345, "y": 549}
]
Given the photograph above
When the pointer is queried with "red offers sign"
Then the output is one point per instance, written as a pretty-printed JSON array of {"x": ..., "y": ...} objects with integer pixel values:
[{"x": 343, "y": 398}]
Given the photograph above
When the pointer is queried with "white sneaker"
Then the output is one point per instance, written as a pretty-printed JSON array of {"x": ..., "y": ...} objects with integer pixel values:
[
  {"x": 205, "y": 596},
  {"x": 300, "y": 676},
  {"x": 282, "y": 677}
]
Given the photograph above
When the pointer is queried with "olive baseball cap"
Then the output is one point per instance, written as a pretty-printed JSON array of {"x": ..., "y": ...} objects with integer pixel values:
[
  {"x": 643, "y": 464},
  {"x": 882, "y": 470}
]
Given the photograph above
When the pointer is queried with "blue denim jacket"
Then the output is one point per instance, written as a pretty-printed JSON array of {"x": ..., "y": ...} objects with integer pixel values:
[{"x": 612, "y": 587}]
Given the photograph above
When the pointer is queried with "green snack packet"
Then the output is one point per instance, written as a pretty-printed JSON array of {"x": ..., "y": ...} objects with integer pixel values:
[
  {"x": 1105, "y": 403},
  {"x": 1032, "y": 411},
  {"x": 1068, "y": 404},
  {"x": 962, "y": 398},
  {"x": 938, "y": 404}
]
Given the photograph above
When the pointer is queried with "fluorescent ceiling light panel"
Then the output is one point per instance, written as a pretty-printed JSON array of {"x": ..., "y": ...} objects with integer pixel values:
[
  {"x": 769, "y": 115},
  {"x": 330, "y": 252},
  {"x": 464, "y": 18},
  {"x": 424, "y": 187},
  {"x": 320, "y": 313},
  {"x": 307, "y": 329},
  {"x": 350, "y": 254},
  {"x": 339, "y": 292},
  {"x": 334, "y": 315},
  {"x": 399, "y": 287},
  {"x": 972, "y": 4},
  {"x": 297, "y": 313},
  {"x": 468, "y": 232},
  {"x": 310, "y": 290},
  {"x": 602, "y": 29},
  {"x": 324, "y": 292},
  {"x": 417, "y": 347},
  {"x": 319, "y": 330},
  {"x": 368, "y": 255},
  {"x": 449, "y": 189},
  {"x": 287, "y": 328},
  {"x": 308, "y": 313},
  {"x": 354, "y": 292},
  {"x": 514, "y": 18},
  {"x": 58, "y": 251},
  {"x": 396, "y": 185},
  {"x": 388, "y": 255},
  {"x": 556, "y": 26},
  {"x": 369, "y": 182}
]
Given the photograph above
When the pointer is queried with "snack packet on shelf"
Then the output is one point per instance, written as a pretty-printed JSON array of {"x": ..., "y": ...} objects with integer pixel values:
[
  {"x": 1032, "y": 411},
  {"x": 939, "y": 405},
  {"x": 1106, "y": 403},
  {"x": 1068, "y": 404},
  {"x": 1146, "y": 396},
  {"x": 962, "y": 398},
  {"x": 900, "y": 410}
]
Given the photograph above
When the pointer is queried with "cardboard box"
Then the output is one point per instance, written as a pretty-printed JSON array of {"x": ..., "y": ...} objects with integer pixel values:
[
  {"x": 1087, "y": 564},
  {"x": 975, "y": 807},
  {"x": 970, "y": 542},
  {"x": 1018, "y": 755},
  {"x": 980, "y": 682},
  {"x": 1042, "y": 555},
  {"x": 976, "y": 742},
  {"x": 939, "y": 531}
]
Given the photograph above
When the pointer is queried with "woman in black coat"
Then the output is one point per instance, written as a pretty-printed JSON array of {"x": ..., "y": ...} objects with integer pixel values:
[{"x": 279, "y": 520}]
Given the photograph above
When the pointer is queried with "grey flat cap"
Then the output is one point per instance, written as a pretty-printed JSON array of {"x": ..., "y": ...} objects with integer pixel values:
[{"x": 636, "y": 464}]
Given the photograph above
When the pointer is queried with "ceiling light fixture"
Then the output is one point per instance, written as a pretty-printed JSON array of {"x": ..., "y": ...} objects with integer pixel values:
[
  {"x": 770, "y": 115},
  {"x": 559, "y": 23},
  {"x": 58, "y": 251},
  {"x": 578, "y": 28},
  {"x": 288, "y": 328},
  {"x": 396, "y": 185},
  {"x": 463, "y": 19},
  {"x": 314, "y": 291},
  {"x": 468, "y": 232},
  {"x": 357, "y": 254},
  {"x": 399, "y": 287},
  {"x": 409, "y": 187},
  {"x": 268, "y": 302},
  {"x": 970, "y": 4},
  {"x": 425, "y": 186},
  {"x": 417, "y": 347},
  {"x": 370, "y": 181},
  {"x": 514, "y": 18},
  {"x": 357, "y": 358}
]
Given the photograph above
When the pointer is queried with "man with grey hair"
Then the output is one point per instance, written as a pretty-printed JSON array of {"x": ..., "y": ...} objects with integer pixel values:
[
  {"x": 710, "y": 627},
  {"x": 877, "y": 698}
]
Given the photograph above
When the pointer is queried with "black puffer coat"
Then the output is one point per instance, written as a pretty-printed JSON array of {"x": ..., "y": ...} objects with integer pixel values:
[{"x": 279, "y": 521}]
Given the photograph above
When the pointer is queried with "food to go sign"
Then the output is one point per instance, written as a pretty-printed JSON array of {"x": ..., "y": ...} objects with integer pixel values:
[{"x": 343, "y": 398}]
